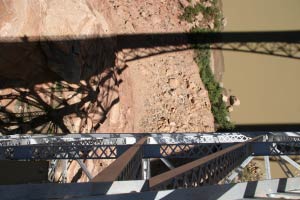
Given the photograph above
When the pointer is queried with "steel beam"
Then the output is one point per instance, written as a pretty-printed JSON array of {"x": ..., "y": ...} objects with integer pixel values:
[
  {"x": 125, "y": 138},
  {"x": 58, "y": 151},
  {"x": 146, "y": 170},
  {"x": 183, "y": 150},
  {"x": 17, "y": 140},
  {"x": 93, "y": 149},
  {"x": 127, "y": 166},
  {"x": 96, "y": 147},
  {"x": 85, "y": 169},
  {"x": 136, "y": 190},
  {"x": 187, "y": 138},
  {"x": 207, "y": 170},
  {"x": 64, "y": 171},
  {"x": 288, "y": 159},
  {"x": 276, "y": 148},
  {"x": 68, "y": 190},
  {"x": 164, "y": 160},
  {"x": 292, "y": 162},
  {"x": 51, "y": 170},
  {"x": 119, "y": 139},
  {"x": 238, "y": 170},
  {"x": 248, "y": 190},
  {"x": 267, "y": 167}
]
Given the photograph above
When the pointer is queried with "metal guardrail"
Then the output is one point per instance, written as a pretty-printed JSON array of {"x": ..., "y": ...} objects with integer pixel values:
[
  {"x": 160, "y": 138},
  {"x": 72, "y": 151},
  {"x": 18, "y": 140},
  {"x": 283, "y": 138},
  {"x": 276, "y": 148},
  {"x": 208, "y": 170},
  {"x": 126, "y": 167},
  {"x": 188, "y": 138},
  {"x": 214, "y": 160},
  {"x": 180, "y": 150},
  {"x": 94, "y": 149}
]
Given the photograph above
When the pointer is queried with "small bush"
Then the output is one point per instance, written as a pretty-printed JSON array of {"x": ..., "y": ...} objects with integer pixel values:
[
  {"x": 214, "y": 89},
  {"x": 202, "y": 58},
  {"x": 190, "y": 13},
  {"x": 209, "y": 13}
]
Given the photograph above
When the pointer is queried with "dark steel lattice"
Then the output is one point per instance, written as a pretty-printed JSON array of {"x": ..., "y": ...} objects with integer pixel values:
[
  {"x": 183, "y": 150},
  {"x": 45, "y": 152},
  {"x": 276, "y": 148},
  {"x": 126, "y": 167},
  {"x": 208, "y": 170}
]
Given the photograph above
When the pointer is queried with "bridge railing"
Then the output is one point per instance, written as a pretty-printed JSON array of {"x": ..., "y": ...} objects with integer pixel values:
[
  {"x": 208, "y": 170},
  {"x": 126, "y": 167}
]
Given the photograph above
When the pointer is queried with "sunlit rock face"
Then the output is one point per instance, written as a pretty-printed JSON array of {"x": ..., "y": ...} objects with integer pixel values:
[{"x": 66, "y": 24}]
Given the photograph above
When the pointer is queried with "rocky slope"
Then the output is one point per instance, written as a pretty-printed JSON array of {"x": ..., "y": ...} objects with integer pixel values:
[
  {"x": 167, "y": 94},
  {"x": 78, "y": 84}
]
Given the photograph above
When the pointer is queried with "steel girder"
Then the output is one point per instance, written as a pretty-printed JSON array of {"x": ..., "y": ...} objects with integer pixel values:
[{"x": 97, "y": 149}]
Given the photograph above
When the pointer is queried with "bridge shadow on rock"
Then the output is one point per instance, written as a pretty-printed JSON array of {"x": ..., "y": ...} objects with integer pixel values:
[
  {"x": 26, "y": 63},
  {"x": 56, "y": 109},
  {"x": 55, "y": 85}
]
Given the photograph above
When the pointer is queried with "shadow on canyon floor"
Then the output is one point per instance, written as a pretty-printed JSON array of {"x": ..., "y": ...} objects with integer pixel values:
[{"x": 44, "y": 81}]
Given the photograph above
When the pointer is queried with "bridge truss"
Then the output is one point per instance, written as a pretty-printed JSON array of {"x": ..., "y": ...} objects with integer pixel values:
[{"x": 208, "y": 158}]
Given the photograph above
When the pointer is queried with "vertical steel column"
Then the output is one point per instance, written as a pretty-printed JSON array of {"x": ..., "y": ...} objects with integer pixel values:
[
  {"x": 238, "y": 170},
  {"x": 292, "y": 162},
  {"x": 267, "y": 167},
  {"x": 65, "y": 170},
  {"x": 267, "y": 161},
  {"x": 146, "y": 170},
  {"x": 85, "y": 169},
  {"x": 51, "y": 170}
]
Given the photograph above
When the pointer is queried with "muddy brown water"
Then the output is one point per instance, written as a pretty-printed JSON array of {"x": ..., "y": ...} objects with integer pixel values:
[{"x": 267, "y": 86}]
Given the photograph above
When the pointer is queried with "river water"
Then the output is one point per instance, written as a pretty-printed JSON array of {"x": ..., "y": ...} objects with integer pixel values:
[{"x": 267, "y": 86}]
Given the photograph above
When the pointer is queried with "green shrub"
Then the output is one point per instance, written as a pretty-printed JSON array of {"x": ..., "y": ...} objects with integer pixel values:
[
  {"x": 209, "y": 13},
  {"x": 190, "y": 13},
  {"x": 214, "y": 89},
  {"x": 202, "y": 58}
]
